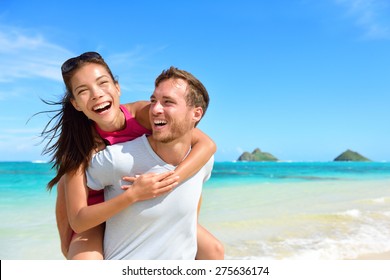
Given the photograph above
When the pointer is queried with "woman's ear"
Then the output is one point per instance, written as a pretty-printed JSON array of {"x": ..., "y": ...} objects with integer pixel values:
[
  {"x": 74, "y": 103},
  {"x": 118, "y": 88}
]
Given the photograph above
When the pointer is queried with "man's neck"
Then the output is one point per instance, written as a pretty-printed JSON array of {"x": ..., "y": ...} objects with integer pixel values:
[{"x": 173, "y": 152}]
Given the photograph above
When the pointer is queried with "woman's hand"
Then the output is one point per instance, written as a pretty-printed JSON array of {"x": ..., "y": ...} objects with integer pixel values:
[{"x": 150, "y": 185}]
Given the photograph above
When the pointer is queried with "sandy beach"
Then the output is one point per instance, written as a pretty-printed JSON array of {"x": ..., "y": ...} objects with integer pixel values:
[
  {"x": 375, "y": 256},
  {"x": 322, "y": 220}
]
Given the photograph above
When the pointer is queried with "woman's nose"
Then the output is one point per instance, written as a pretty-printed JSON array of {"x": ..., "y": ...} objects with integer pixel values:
[{"x": 96, "y": 93}]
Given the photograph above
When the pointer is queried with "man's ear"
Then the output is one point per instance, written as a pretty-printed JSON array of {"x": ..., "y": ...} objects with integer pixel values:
[
  {"x": 74, "y": 103},
  {"x": 198, "y": 113}
]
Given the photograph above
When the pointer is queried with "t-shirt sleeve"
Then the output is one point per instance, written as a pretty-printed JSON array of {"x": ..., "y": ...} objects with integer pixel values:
[
  {"x": 208, "y": 169},
  {"x": 100, "y": 171}
]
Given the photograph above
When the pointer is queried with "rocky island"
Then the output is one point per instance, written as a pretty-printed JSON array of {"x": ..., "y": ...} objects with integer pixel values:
[
  {"x": 257, "y": 155},
  {"x": 349, "y": 155}
]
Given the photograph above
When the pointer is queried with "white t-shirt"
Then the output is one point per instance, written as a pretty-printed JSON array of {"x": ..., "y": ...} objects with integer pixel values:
[{"x": 160, "y": 228}]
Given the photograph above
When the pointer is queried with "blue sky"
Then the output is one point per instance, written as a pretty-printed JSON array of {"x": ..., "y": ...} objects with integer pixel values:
[{"x": 302, "y": 79}]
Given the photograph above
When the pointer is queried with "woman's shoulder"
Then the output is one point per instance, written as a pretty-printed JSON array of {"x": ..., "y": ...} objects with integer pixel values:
[
  {"x": 140, "y": 111},
  {"x": 136, "y": 107}
]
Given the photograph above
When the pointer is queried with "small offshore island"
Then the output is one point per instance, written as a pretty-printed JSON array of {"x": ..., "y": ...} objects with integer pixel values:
[
  {"x": 258, "y": 155},
  {"x": 349, "y": 155}
]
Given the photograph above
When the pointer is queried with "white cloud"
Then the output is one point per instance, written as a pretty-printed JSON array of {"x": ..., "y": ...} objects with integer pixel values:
[
  {"x": 19, "y": 131},
  {"x": 370, "y": 15},
  {"x": 26, "y": 55}
]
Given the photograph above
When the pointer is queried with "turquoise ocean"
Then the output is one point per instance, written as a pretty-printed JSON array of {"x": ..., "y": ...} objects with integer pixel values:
[{"x": 270, "y": 211}]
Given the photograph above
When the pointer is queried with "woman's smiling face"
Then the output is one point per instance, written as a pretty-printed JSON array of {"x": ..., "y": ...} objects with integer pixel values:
[{"x": 97, "y": 96}]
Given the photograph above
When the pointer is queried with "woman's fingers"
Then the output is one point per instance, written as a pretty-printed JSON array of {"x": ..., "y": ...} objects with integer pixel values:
[
  {"x": 162, "y": 176},
  {"x": 168, "y": 182},
  {"x": 152, "y": 182},
  {"x": 165, "y": 189},
  {"x": 129, "y": 179}
]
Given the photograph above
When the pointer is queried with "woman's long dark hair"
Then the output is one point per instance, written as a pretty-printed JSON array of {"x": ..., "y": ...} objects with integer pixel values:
[
  {"x": 70, "y": 135},
  {"x": 75, "y": 139}
]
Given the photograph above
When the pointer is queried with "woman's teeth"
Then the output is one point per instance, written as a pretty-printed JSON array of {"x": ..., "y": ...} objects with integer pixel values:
[{"x": 102, "y": 106}]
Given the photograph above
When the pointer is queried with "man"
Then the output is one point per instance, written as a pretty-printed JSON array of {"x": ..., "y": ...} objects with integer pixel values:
[{"x": 164, "y": 227}]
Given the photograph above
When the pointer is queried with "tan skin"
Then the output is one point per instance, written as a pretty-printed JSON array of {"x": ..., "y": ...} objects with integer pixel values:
[{"x": 92, "y": 87}]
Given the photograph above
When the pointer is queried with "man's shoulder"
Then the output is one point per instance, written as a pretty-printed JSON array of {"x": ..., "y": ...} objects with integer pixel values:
[
  {"x": 128, "y": 144},
  {"x": 119, "y": 150},
  {"x": 209, "y": 165},
  {"x": 205, "y": 171}
]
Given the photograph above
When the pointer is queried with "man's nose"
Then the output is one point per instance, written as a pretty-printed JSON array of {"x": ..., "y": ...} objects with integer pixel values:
[{"x": 157, "y": 108}]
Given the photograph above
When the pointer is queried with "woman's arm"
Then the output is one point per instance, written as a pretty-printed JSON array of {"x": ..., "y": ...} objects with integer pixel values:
[
  {"x": 83, "y": 217},
  {"x": 140, "y": 111},
  {"x": 202, "y": 150}
]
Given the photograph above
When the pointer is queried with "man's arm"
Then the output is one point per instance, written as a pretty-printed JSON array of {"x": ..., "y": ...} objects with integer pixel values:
[{"x": 64, "y": 229}]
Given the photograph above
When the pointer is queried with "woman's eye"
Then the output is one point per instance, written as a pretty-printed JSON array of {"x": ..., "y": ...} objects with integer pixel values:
[{"x": 82, "y": 92}]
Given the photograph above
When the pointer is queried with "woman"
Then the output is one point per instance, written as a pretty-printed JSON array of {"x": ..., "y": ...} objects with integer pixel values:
[{"x": 90, "y": 109}]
